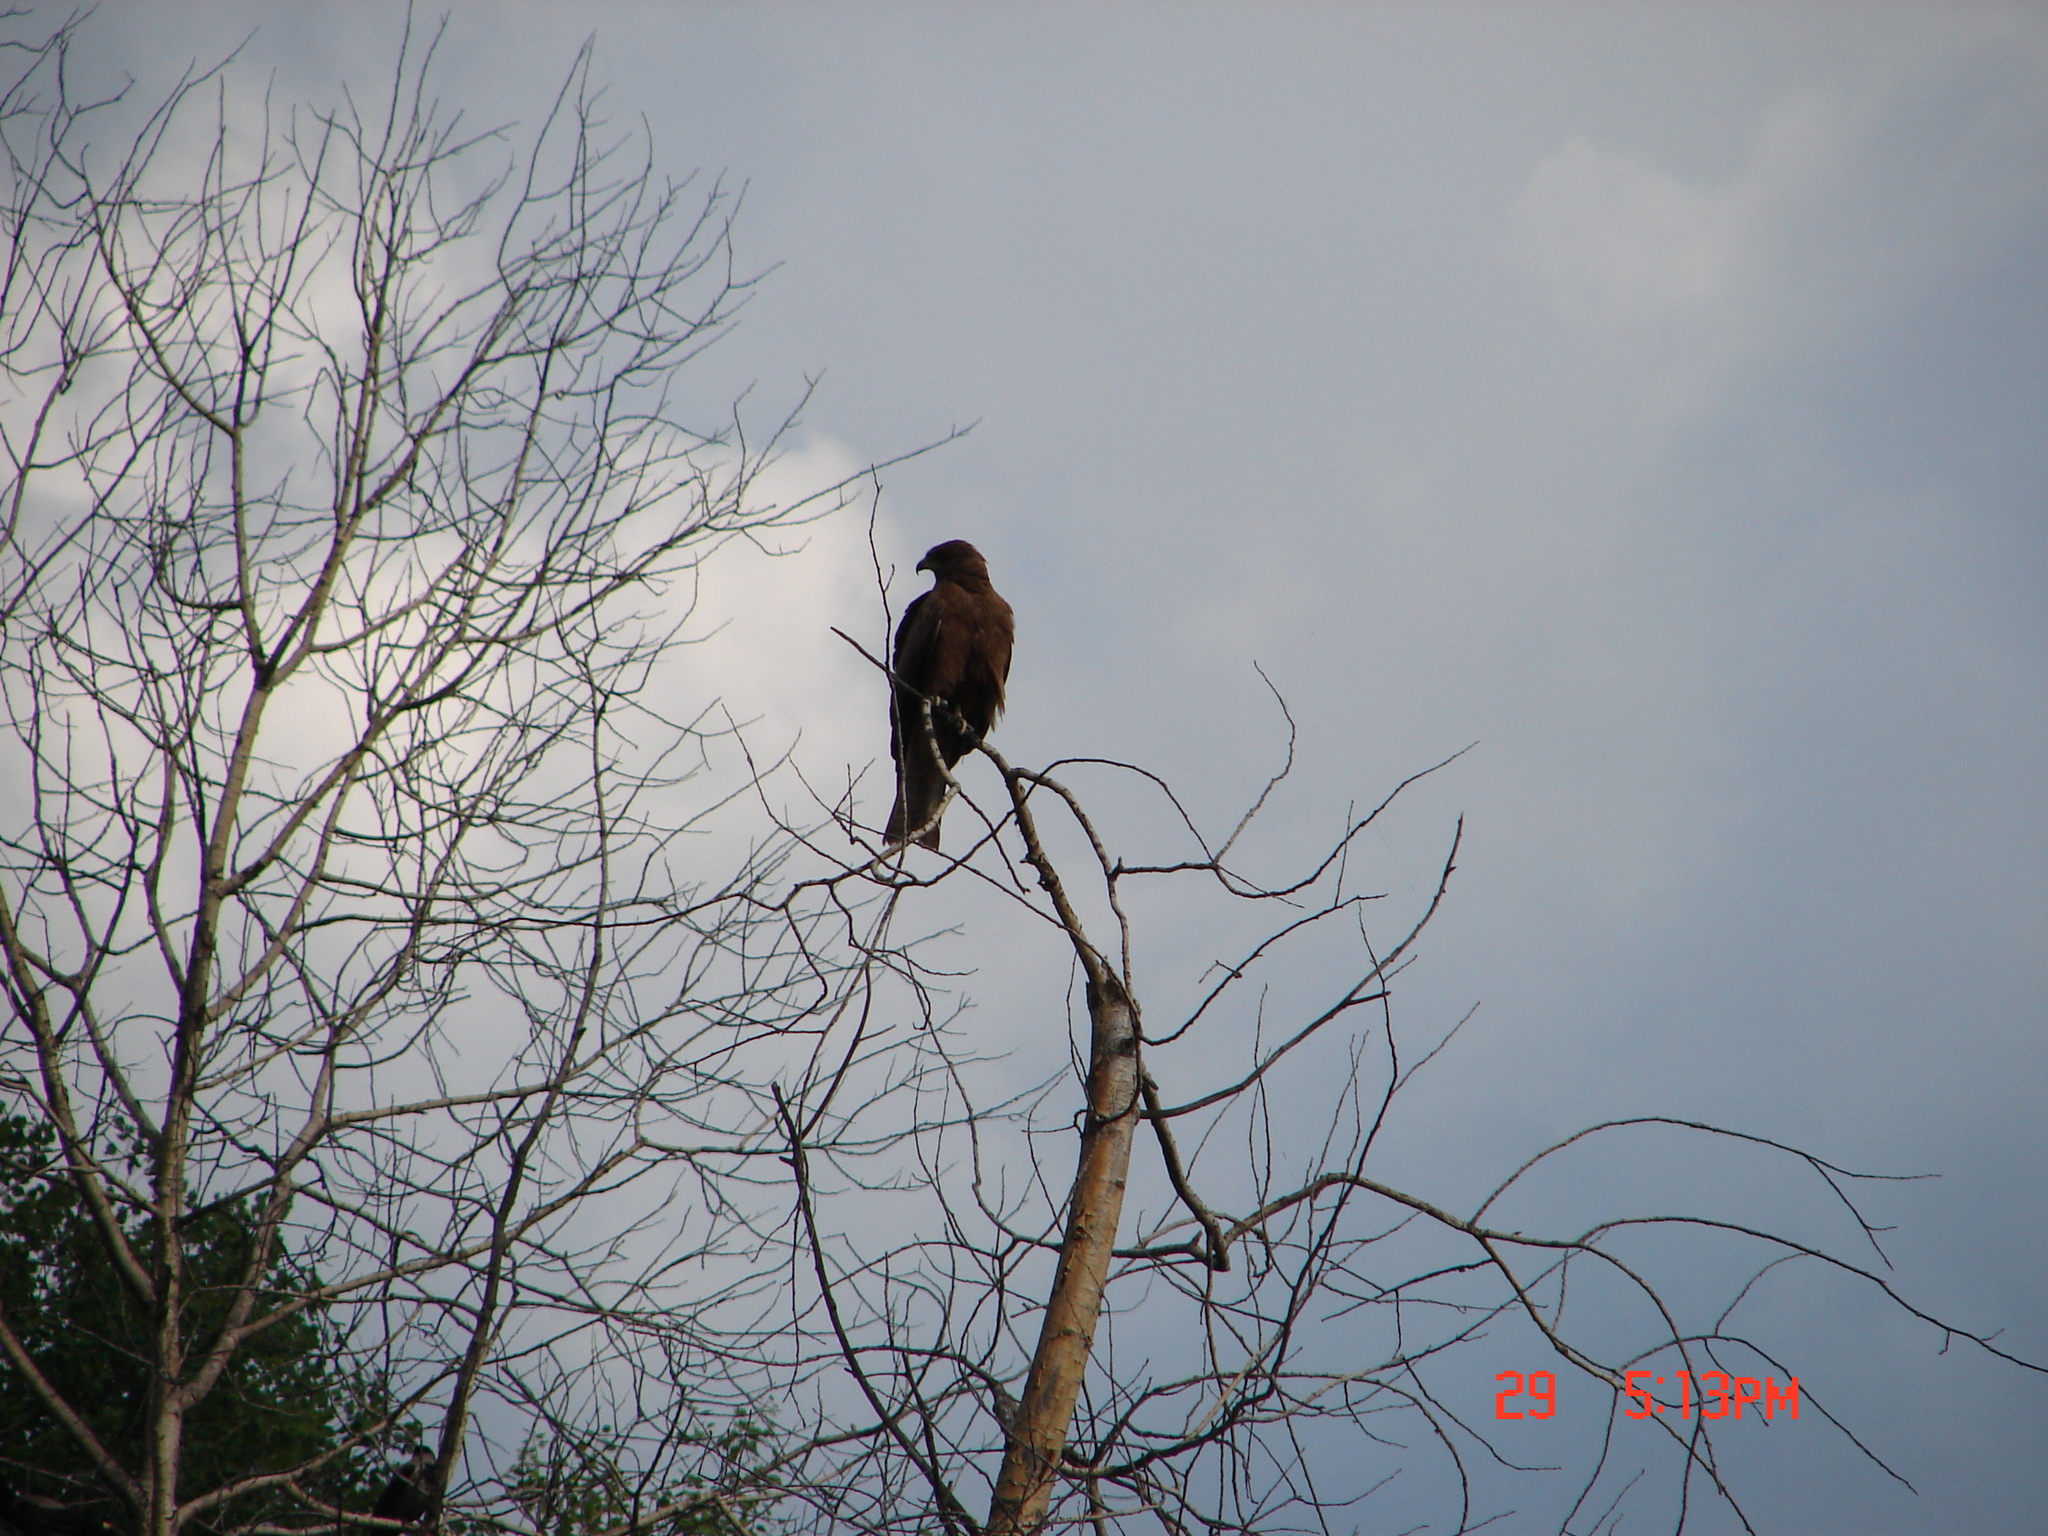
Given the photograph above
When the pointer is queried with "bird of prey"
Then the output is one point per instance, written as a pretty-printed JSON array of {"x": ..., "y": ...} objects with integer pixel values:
[
  {"x": 409, "y": 1496},
  {"x": 953, "y": 647}
]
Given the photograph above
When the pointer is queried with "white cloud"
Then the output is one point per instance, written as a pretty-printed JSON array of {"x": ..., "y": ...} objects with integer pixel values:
[
  {"x": 1610, "y": 225},
  {"x": 761, "y": 635},
  {"x": 1612, "y": 230}
]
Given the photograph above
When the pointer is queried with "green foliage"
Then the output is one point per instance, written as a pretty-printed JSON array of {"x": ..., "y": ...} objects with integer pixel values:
[{"x": 280, "y": 1403}]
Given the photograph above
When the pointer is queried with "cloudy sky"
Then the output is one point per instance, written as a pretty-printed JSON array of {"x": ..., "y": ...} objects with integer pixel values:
[{"x": 1654, "y": 395}]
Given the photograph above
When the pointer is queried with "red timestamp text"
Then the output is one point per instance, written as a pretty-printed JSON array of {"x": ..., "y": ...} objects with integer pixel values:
[
  {"x": 1718, "y": 1395},
  {"x": 1541, "y": 1388},
  {"x": 1733, "y": 1393}
]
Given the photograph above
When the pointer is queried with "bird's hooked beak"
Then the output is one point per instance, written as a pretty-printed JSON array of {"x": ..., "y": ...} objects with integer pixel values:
[{"x": 926, "y": 565}]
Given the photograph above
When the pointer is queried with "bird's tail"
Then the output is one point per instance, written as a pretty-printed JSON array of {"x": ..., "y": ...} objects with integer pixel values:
[{"x": 916, "y": 802}]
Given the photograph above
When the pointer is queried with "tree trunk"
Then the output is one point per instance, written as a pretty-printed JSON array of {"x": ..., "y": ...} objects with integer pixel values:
[{"x": 1038, "y": 1437}]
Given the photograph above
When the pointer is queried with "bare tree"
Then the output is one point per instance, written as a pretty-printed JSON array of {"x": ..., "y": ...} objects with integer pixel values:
[
  {"x": 354, "y": 500},
  {"x": 353, "y": 494},
  {"x": 1263, "y": 1351}
]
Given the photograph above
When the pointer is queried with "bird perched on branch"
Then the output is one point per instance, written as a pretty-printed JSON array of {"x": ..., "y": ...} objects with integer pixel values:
[
  {"x": 953, "y": 648},
  {"x": 409, "y": 1495}
]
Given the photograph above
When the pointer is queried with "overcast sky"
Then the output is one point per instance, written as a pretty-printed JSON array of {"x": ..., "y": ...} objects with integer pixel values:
[{"x": 1654, "y": 395}]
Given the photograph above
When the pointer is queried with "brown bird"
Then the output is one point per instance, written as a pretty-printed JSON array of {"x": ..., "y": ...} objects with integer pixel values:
[
  {"x": 409, "y": 1495},
  {"x": 953, "y": 646}
]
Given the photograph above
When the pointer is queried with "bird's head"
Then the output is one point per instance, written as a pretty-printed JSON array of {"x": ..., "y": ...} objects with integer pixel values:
[{"x": 955, "y": 557}]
